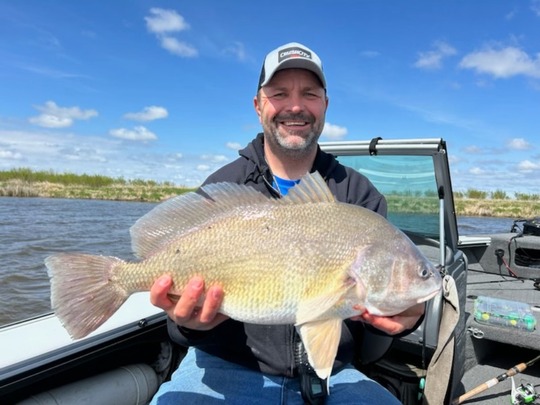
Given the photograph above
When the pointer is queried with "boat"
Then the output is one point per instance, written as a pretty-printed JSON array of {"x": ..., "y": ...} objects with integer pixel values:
[{"x": 478, "y": 342}]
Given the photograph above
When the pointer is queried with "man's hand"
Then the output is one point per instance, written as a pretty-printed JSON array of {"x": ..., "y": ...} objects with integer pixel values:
[
  {"x": 394, "y": 324},
  {"x": 195, "y": 309}
]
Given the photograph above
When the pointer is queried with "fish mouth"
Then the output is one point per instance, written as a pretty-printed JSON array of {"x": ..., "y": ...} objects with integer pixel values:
[{"x": 428, "y": 297}]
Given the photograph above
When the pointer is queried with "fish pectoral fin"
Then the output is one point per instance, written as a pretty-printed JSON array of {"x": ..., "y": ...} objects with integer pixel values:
[
  {"x": 321, "y": 340},
  {"x": 315, "y": 308}
]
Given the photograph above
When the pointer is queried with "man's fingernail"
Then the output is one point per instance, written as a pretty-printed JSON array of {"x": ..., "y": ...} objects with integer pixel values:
[
  {"x": 196, "y": 283},
  {"x": 163, "y": 281}
]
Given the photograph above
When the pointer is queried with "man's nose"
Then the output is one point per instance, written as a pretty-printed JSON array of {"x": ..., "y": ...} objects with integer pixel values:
[{"x": 296, "y": 103}]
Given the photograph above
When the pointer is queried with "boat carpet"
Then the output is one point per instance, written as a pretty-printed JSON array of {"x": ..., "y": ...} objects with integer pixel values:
[{"x": 493, "y": 349}]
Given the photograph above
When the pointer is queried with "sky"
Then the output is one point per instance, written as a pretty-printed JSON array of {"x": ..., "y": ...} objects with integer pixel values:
[{"x": 163, "y": 90}]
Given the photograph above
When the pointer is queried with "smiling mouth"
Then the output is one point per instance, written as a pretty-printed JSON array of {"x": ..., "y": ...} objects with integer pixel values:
[
  {"x": 294, "y": 123},
  {"x": 294, "y": 120}
]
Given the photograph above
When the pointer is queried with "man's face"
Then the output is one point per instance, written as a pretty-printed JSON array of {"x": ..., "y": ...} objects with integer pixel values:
[{"x": 291, "y": 109}]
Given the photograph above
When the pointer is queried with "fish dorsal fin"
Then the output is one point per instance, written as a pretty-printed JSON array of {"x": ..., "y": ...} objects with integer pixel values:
[
  {"x": 164, "y": 222},
  {"x": 228, "y": 196},
  {"x": 311, "y": 189},
  {"x": 184, "y": 213},
  {"x": 180, "y": 215}
]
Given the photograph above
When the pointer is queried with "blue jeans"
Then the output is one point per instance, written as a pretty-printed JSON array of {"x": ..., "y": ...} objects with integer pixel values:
[{"x": 205, "y": 379}]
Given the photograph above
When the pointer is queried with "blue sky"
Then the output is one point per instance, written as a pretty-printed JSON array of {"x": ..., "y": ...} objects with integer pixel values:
[{"x": 163, "y": 90}]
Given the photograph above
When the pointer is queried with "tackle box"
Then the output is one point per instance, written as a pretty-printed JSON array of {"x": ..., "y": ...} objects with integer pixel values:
[{"x": 497, "y": 311}]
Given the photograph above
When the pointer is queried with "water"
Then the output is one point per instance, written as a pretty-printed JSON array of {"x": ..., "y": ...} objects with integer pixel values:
[{"x": 33, "y": 228}]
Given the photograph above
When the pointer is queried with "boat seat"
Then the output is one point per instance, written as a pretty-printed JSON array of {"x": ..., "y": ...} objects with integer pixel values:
[{"x": 128, "y": 385}]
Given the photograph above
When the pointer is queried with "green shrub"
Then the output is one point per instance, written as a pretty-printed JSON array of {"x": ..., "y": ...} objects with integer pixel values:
[{"x": 499, "y": 195}]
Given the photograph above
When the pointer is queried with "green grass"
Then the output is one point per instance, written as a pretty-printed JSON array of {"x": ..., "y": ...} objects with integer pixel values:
[{"x": 24, "y": 182}]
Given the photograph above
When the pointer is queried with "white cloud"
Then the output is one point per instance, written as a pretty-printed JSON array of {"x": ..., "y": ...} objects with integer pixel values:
[
  {"x": 162, "y": 23},
  {"x": 215, "y": 158},
  {"x": 233, "y": 145},
  {"x": 68, "y": 152},
  {"x": 237, "y": 50},
  {"x": 177, "y": 47},
  {"x": 51, "y": 107},
  {"x": 82, "y": 154},
  {"x": 433, "y": 59},
  {"x": 477, "y": 171},
  {"x": 7, "y": 154},
  {"x": 148, "y": 114},
  {"x": 51, "y": 121},
  {"x": 528, "y": 166},
  {"x": 519, "y": 144},
  {"x": 511, "y": 14},
  {"x": 138, "y": 133},
  {"x": 57, "y": 150},
  {"x": 333, "y": 132},
  {"x": 54, "y": 116},
  {"x": 502, "y": 63}
]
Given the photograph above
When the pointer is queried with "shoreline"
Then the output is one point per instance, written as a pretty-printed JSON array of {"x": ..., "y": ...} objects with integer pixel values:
[
  {"x": 156, "y": 193},
  {"x": 115, "y": 192}
]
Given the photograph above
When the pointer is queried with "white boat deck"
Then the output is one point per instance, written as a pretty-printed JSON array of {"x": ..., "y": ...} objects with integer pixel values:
[{"x": 46, "y": 334}]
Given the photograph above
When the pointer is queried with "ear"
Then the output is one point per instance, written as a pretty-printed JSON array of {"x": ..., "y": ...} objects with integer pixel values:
[{"x": 257, "y": 106}]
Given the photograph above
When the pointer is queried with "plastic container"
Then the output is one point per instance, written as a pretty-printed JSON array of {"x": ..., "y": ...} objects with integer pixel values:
[{"x": 512, "y": 314}]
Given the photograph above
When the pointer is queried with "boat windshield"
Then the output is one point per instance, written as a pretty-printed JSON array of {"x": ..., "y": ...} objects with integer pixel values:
[{"x": 410, "y": 188}]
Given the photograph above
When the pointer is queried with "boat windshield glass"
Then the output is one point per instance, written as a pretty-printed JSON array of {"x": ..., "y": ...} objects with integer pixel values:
[{"x": 410, "y": 188}]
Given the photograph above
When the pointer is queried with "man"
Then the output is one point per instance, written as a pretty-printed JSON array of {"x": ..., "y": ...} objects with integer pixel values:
[{"x": 244, "y": 363}]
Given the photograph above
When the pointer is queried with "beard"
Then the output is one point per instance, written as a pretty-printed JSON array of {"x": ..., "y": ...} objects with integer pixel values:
[{"x": 289, "y": 142}]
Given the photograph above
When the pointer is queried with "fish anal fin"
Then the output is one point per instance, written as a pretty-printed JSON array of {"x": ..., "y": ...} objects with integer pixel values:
[{"x": 321, "y": 340}]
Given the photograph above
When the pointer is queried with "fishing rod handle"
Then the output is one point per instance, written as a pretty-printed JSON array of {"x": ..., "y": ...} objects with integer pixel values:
[
  {"x": 475, "y": 391},
  {"x": 488, "y": 384}
]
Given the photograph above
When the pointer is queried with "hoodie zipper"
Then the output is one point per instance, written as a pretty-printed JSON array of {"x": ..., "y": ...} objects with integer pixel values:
[
  {"x": 298, "y": 349},
  {"x": 275, "y": 191}
]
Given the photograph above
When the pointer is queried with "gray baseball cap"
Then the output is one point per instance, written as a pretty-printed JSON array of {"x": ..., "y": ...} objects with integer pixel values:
[{"x": 291, "y": 55}]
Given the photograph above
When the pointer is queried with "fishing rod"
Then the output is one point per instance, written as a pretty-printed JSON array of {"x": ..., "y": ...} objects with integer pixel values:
[{"x": 519, "y": 368}]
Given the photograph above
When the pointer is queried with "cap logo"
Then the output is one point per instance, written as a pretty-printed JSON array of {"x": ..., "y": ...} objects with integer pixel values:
[{"x": 293, "y": 53}]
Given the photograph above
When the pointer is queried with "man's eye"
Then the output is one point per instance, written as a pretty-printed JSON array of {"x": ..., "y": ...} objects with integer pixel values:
[{"x": 312, "y": 95}]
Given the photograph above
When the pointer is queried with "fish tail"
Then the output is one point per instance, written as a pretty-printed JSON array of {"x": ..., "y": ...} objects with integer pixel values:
[{"x": 84, "y": 293}]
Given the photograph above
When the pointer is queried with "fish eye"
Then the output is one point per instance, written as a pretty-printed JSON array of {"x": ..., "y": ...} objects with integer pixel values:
[{"x": 424, "y": 273}]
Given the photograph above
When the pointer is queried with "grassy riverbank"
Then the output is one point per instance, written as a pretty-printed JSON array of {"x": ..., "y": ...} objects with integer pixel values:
[{"x": 28, "y": 183}]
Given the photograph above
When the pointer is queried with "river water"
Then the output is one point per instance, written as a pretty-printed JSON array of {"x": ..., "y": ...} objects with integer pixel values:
[{"x": 33, "y": 228}]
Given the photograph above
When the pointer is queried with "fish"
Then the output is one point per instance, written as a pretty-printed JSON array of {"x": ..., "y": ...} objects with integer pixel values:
[{"x": 304, "y": 259}]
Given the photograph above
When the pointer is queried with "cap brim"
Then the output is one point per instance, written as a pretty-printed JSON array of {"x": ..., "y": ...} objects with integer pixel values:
[{"x": 297, "y": 63}]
